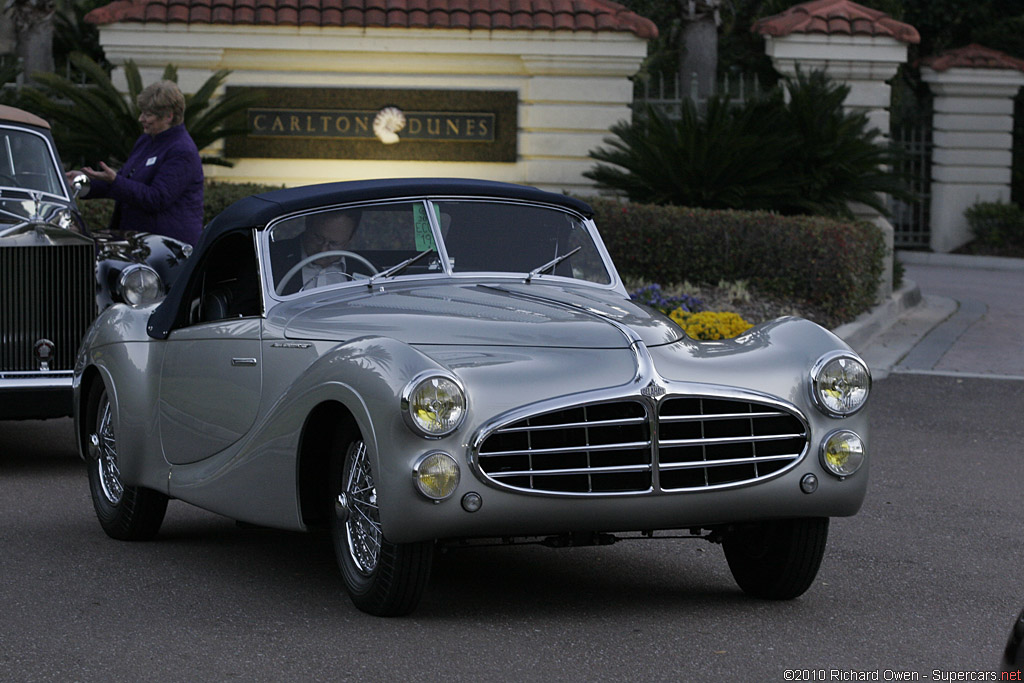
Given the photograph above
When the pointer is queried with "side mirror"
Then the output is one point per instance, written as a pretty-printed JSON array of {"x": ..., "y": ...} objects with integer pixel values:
[{"x": 80, "y": 185}]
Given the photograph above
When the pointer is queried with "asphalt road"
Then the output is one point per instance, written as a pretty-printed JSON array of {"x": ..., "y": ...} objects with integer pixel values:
[{"x": 926, "y": 579}]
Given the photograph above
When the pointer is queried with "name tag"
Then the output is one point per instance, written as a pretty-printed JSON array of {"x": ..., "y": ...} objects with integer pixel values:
[{"x": 150, "y": 161}]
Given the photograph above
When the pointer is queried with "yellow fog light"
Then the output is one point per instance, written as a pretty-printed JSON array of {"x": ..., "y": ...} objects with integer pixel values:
[
  {"x": 842, "y": 453},
  {"x": 436, "y": 475},
  {"x": 433, "y": 406}
]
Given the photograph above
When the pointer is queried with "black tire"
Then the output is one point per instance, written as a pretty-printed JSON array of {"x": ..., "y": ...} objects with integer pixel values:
[
  {"x": 384, "y": 579},
  {"x": 776, "y": 560},
  {"x": 127, "y": 513}
]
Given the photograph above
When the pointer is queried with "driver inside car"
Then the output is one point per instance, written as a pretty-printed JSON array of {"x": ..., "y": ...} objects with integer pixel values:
[{"x": 325, "y": 233}]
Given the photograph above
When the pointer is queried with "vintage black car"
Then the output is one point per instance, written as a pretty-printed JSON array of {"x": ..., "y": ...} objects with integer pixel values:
[{"x": 56, "y": 275}]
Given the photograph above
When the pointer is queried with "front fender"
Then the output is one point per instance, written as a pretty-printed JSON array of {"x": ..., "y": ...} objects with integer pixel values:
[{"x": 256, "y": 480}]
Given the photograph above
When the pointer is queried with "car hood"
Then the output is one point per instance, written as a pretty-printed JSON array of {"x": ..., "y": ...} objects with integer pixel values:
[{"x": 478, "y": 314}]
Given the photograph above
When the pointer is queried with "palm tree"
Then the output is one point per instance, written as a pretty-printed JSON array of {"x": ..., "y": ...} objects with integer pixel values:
[{"x": 95, "y": 121}]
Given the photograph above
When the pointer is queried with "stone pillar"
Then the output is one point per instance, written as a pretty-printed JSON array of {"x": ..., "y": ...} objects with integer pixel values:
[
  {"x": 972, "y": 134},
  {"x": 855, "y": 45}
]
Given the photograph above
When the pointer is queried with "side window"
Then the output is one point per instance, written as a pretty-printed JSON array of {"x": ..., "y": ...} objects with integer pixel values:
[{"x": 226, "y": 284}]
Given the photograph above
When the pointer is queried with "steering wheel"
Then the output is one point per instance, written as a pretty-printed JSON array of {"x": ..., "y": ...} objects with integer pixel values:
[{"x": 316, "y": 257}]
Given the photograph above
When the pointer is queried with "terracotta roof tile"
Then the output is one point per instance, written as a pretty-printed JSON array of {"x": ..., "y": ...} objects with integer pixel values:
[
  {"x": 836, "y": 17},
  {"x": 973, "y": 56},
  {"x": 541, "y": 15}
]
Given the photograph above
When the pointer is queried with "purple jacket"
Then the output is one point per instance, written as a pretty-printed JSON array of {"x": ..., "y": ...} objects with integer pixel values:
[{"x": 160, "y": 187}]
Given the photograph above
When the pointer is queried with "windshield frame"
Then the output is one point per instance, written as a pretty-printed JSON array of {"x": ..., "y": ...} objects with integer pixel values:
[
  {"x": 446, "y": 270},
  {"x": 54, "y": 162}
]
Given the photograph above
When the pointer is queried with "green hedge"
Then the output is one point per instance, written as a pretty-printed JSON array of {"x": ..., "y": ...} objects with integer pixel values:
[{"x": 830, "y": 265}]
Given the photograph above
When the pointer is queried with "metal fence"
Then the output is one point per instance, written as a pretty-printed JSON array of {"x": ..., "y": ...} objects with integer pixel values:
[
  {"x": 668, "y": 92},
  {"x": 912, "y": 219}
]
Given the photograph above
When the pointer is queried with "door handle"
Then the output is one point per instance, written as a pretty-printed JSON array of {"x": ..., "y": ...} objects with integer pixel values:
[{"x": 243, "y": 361}]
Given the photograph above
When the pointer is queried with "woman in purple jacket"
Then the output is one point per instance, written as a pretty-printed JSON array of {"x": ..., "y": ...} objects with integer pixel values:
[{"x": 160, "y": 187}]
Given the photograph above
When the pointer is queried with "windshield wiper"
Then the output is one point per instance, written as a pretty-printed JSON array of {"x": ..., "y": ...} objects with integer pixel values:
[
  {"x": 397, "y": 268},
  {"x": 551, "y": 264}
]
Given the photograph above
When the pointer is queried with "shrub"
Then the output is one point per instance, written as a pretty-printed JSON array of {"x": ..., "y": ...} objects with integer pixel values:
[
  {"x": 829, "y": 265},
  {"x": 801, "y": 155},
  {"x": 710, "y": 325},
  {"x": 995, "y": 224}
]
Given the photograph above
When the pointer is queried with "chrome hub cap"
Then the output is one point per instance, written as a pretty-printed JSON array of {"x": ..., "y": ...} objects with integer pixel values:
[
  {"x": 103, "y": 446},
  {"x": 358, "y": 504}
]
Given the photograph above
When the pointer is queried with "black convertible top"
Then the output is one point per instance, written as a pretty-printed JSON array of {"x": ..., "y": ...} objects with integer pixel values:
[{"x": 258, "y": 210}]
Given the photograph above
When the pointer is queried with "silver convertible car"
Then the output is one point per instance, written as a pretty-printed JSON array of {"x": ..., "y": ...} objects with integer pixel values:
[{"x": 420, "y": 362}]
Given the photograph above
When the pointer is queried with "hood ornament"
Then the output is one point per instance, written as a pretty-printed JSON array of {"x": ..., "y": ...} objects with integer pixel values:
[{"x": 43, "y": 350}]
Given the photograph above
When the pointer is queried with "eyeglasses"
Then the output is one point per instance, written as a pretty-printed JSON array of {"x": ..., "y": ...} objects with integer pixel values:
[{"x": 321, "y": 243}]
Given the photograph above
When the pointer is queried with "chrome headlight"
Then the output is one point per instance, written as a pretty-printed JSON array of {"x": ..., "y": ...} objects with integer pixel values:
[
  {"x": 140, "y": 285},
  {"x": 842, "y": 453},
  {"x": 840, "y": 383},
  {"x": 433, "y": 406},
  {"x": 436, "y": 475}
]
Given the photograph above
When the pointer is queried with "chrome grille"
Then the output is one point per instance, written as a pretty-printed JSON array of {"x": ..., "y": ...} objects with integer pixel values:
[
  {"x": 607, "y": 448},
  {"x": 706, "y": 442},
  {"x": 46, "y": 292}
]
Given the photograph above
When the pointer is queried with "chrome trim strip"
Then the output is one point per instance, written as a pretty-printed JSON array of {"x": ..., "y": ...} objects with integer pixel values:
[
  {"x": 54, "y": 380},
  {"x": 574, "y": 470},
  {"x": 578, "y": 425},
  {"x": 719, "y": 416},
  {"x": 698, "y": 464},
  {"x": 632, "y": 445},
  {"x": 725, "y": 440}
]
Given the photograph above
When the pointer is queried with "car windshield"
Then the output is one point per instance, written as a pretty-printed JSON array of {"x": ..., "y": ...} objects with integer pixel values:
[
  {"x": 486, "y": 236},
  {"x": 480, "y": 236},
  {"x": 27, "y": 163}
]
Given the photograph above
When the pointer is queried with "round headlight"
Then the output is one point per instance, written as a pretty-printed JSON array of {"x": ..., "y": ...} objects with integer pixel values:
[
  {"x": 842, "y": 453},
  {"x": 140, "y": 285},
  {"x": 436, "y": 475},
  {"x": 434, "y": 406},
  {"x": 841, "y": 383}
]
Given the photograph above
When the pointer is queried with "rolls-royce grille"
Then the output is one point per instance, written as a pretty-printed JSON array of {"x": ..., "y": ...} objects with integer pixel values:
[
  {"x": 607, "y": 448},
  {"x": 46, "y": 292}
]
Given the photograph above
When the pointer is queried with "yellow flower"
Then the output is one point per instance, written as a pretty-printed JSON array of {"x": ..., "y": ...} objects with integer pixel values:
[{"x": 709, "y": 325}]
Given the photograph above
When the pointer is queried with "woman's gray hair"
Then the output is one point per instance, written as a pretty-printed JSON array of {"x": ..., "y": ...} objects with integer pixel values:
[{"x": 163, "y": 98}]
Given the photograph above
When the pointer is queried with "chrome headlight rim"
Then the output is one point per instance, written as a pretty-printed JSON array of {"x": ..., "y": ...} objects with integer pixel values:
[
  {"x": 134, "y": 294},
  {"x": 829, "y": 439},
  {"x": 817, "y": 390},
  {"x": 432, "y": 460},
  {"x": 408, "y": 406}
]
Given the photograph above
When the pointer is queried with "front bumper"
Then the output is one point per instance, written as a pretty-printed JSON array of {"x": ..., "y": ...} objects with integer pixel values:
[{"x": 36, "y": 397}]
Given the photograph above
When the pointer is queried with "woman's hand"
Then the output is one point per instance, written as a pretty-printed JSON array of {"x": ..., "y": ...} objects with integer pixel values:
[{"x": 105, "y": 173}]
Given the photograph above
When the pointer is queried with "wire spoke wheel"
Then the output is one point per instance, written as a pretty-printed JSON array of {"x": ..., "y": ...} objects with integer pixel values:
[
  {"x": 382, "y": 578},
  {"x": 127, "y": 513},
  {"x": 103, "y": 441},
  {"x": 358, "y": 500}
]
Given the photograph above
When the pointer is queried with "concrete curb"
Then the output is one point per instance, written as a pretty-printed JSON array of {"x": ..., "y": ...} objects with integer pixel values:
[
  {"x": 870, "y": 324},
  {"x": 927, "y": 258}
]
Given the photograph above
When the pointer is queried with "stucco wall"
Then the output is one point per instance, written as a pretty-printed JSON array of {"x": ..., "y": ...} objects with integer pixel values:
[{"x": 572, "y": 86}]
